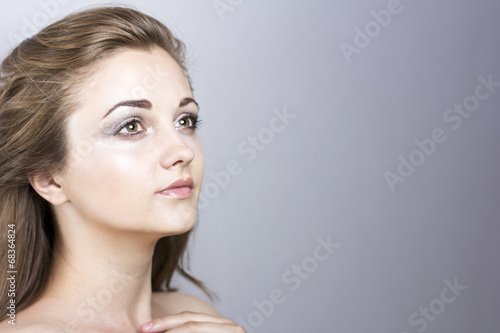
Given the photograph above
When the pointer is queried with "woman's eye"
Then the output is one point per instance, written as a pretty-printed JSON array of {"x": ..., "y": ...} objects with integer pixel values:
[
  {"x": 131, "y": 128},
  {"x": 188, "y": 121}
]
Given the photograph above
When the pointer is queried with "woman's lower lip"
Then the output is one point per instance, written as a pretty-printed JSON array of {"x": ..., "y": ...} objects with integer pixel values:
[{"x": 178, "y": 192}]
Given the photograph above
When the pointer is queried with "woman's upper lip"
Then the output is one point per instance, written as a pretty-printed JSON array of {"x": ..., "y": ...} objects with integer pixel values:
[{"x": 182, "y": 182}]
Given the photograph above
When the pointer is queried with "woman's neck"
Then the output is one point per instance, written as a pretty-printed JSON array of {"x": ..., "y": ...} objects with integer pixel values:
[{"x": 105, "y": 279}]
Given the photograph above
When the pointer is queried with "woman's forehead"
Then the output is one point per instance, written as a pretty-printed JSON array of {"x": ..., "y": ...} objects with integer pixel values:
[{"x": 135, "y": 74}]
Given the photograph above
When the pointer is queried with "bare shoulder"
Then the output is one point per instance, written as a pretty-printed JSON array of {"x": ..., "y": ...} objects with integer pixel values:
[
  {"x": 38, "y": 317},
  {"x": 5, "y": 327},
  {"x": 175, "y": 302}
]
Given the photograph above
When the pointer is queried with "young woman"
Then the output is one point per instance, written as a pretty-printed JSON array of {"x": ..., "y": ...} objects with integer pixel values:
[{"x": 100, "y": 174}]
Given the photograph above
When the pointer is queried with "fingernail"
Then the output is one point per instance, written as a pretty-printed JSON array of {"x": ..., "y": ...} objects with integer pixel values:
[{"x": 147, "y": 327}]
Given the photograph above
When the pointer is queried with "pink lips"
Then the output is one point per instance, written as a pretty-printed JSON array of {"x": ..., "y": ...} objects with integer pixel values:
[{"x": 179, "y": 189}]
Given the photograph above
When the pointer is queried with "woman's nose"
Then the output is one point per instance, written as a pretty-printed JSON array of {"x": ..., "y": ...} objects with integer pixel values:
[{"x": 175, "y": 153}]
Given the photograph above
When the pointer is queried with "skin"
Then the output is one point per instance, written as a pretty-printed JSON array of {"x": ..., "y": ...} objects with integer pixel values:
[{"x": 109, "y": 211}]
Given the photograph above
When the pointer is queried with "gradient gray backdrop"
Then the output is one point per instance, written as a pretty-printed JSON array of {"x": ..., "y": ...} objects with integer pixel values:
[{"x": 321, "y": 174}]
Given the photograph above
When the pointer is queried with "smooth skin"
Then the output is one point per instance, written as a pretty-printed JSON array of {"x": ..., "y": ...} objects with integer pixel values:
[{"x": 109, "y": 211}]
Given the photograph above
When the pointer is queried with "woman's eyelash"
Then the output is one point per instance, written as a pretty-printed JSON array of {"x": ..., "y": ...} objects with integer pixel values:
[
  {"x": 128, "y": 122},
  {"x": 197, "y": 122},
  {"x": 194, "y": 118}
]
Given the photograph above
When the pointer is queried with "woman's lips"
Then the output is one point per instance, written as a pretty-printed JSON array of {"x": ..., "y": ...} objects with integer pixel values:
[
  {"x": 181, "y": 188},
  {"x": 178, "y": 192}
]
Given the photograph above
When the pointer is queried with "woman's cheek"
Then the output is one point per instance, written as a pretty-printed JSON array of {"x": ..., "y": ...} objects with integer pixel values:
[{"x": 109, "y": 172}]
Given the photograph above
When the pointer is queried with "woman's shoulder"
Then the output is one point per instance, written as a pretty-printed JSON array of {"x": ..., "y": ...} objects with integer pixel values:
[
  {"x": 40, "y": 317},
  {"x": 166, "y": 303},
  {"x": 5, "y": 327},
  {"x": 172, "y": 302}
]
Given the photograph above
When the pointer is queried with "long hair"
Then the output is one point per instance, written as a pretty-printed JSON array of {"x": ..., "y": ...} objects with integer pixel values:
[{"x": 36, "y": 82}]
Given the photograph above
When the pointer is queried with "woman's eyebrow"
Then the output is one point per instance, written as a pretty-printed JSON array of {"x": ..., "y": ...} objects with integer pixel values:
[
  {"x": 142, "y": 103},
  {"x": 186, "y": 101}
]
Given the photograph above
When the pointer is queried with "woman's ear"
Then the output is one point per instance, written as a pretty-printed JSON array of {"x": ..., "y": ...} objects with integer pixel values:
[{"x": 49, "y": 189}]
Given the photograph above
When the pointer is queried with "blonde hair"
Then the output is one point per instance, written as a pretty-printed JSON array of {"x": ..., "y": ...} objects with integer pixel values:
[{"x": 36, "y": 81}]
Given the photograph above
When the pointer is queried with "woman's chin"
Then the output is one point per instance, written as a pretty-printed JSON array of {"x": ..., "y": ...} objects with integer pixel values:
[{"x": 169, "y": 229}]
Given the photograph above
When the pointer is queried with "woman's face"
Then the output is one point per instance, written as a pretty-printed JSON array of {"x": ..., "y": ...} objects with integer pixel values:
[{"x": 132, "y": 138}]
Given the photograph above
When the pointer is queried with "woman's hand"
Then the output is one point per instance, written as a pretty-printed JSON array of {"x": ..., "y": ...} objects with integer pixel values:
[{"x": 192, "y": 322}]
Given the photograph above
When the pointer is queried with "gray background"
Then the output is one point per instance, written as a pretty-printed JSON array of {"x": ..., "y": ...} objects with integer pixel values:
[{"x": 323, "y": 174}]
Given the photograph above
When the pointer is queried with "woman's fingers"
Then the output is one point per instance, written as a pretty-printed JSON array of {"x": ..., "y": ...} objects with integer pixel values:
[
  {"x": 200, "y": 327},
  {"x": 192, "y": 322}
]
